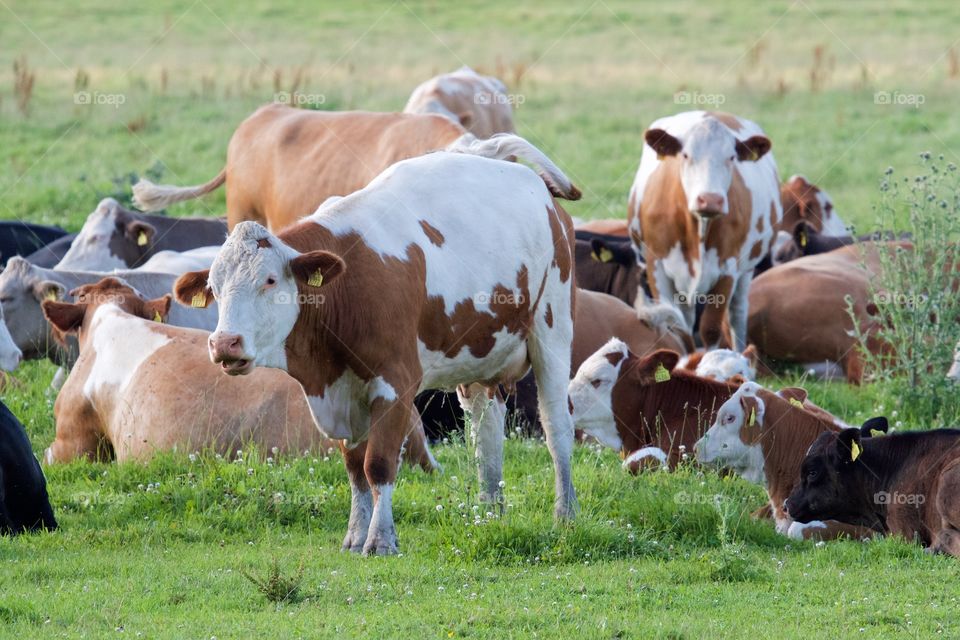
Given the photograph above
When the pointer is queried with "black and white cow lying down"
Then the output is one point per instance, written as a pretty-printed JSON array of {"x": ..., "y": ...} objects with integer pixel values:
[{"x": 24, "y": 505}]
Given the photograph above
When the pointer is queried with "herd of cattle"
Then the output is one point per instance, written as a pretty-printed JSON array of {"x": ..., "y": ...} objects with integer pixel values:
[{"x": 380, "y": 276}]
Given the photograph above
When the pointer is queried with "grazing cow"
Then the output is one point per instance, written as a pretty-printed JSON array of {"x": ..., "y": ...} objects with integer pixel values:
[
  {"x": 904, "y": 484},
  {"x": 19, "y": 238},
  {"x": 181, "y": 261},
  {"x": 479, "y": 104},
  {"x": 141, "y": 386},
  {"x": 723, "y": 365},
  {"x": 607, "y": 264},
  {"x": 24, "y": 505},
  {"x": 283, "y": 163},
  {"x": 702, "y": 211},
  {"x": 643, "y": 406},
  {"x": 448, "y": 269},
  {"x": 804, "y": 201},
  {"x": 799, "y": 310},
  {"x": 608, "y": 226},
  {"x": 23, "y": 287},
  {"x": 763, "y": 436},
  {"x": 49, "y": 255},
  {"x": 117, "y": 238}
]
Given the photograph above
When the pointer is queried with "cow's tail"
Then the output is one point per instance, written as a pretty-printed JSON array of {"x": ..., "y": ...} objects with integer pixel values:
[
  {"x": 153, "y": 197},
  {"x": 508, "y": 146}
]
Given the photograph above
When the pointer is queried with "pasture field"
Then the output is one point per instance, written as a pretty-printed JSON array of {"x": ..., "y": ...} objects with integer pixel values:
[{"x": 95, "y": 92}]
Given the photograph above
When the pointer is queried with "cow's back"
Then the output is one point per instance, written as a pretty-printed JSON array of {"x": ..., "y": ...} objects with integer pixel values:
[{"x": 282, "y": 163}]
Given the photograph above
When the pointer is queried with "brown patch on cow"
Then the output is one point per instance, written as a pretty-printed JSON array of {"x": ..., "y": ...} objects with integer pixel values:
[
  {"x": 728, "y": 119},
  {"x": 561, "y": 230},
  {"x": 714, "y": 329},
  {"x": 760, "y": 224},
  {"x": 548, "y": 316},
  {"x": 756, "y": 250},
  {"x": 693, "y": 361},
  {"x": 432, "y": 233},
  {"x": 614, "y": 357}
]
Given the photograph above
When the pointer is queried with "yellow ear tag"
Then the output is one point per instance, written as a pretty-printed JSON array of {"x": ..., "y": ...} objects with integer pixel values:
[
  {"x": 157, "y": 317},
  {"x": 796, "y": 403},
  {"x": 753, "y": 417},
  {"x": 854, "y": 451},
  {"x": 803, "y": 239},
  {"x": 754, "y": 156},
  {"x": 661, "y": 374},
  {"x": 660, "y": 156},
  {"x": 142, "y": 239},
  {"x": 51, "y": 294},
  {"x": 623, "y": 454},
  {"x": 876, "y": 433},
  {"x": 316, "y": 279},
  {"x": 199, "y": 300},
  {"x": 606, "y": 255}
]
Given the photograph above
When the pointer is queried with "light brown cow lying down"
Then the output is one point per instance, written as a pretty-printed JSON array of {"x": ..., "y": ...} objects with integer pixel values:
[
  {"x": 282, "y": 163},
  {"x": 140, "y": 387},
  {"x": 599, "y": 317},
  {"x": 606, "y": 226},
  {"x": 479, "y": 103},
  {"x": 798, "y": 310}
]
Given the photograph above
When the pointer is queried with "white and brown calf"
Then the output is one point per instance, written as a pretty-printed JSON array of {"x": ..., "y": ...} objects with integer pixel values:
[
  {"x": 703, "y": 210},
  {"x": 762, "y": 436},
  {"x": 448, "y": 270},
  {"x": 479, "y": 104}
]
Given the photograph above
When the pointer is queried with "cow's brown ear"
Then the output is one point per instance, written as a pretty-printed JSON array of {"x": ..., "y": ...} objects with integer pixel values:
[
  {"x": 157, "y": 309},
  {"x": 753, "y": 148},
  {"x": 793, "y": 394},
  {"x": 662, "y": 142},
  {"x": 191, "y": 289},
  {"x": 849, "y": 446},
  {"x": 751, "y": 413},
  {"x": 139, "y": 232},
  {"x": 66, "y": 317},
  {"x": 48, "y": 290},
  {"x": 655, "y": 367},
  {"x": 317, "y": 268}
]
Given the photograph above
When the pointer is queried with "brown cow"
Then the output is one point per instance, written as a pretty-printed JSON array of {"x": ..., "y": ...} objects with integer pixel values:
[
  {"x": 763, "y": 436},
  {"x": 905, "y": 484},
  {"x": 141, "y": 386},
  {"x": 702, "y": 213},
  {"x": 607, "y": 226},
  {"x": 480, "y": 104},
  {"x": 799, "y": 310},
  {"x": 804, "y": 201},
  {"x": 283, "y": 163}
]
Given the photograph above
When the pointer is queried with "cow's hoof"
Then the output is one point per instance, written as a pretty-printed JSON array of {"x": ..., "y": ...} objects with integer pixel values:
[
  {"x": 381, "y": 544},
  {"x": 565, "y": 512},
  {"x": 353, "y": 542}
]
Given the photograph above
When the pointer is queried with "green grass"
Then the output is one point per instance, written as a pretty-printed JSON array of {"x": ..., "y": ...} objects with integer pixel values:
[{"x": 161, "y": 549}]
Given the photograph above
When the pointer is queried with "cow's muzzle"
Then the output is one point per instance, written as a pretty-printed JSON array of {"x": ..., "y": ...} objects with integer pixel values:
[
  {"x": 227, "y": 350},
  {"x": 709, "y": 205}
]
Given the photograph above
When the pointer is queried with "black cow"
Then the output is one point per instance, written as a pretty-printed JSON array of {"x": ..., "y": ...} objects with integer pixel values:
[
  {"x": 22, "y": 238},
  {"x": 49, "y": 255},
  {"x": 24, "y": 505},
  {"x": 607, "y": 264},
  {"x": 905, "y": 484}
]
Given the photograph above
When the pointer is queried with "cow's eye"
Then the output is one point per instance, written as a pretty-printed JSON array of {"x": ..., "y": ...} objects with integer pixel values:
[
  {"x": 733, "y": 158},
  {"x": 812, "y": 475},
  {"x": 596, "y": 383},
  {"x": 271, "y": 281},
  {"x": 684, "y": 155}
]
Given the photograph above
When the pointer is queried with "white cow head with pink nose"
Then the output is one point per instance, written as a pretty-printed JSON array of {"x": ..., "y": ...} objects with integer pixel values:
[{"x": 708, "y": 153}]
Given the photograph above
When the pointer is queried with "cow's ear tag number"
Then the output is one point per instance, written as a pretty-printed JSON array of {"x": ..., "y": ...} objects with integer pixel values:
[
  {"x": 142, "y": 239},
  {"x": 316, "y": 279},
  {"x": 199, "y": 300},
  {"x": 796, "y": 403}
]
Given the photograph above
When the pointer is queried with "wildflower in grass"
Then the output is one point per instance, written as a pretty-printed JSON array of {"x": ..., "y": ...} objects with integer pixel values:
[{"x": 439, "y": 507}]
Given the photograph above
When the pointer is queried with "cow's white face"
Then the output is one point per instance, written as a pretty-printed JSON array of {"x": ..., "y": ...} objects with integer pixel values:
[
  {"x": 591, "y": 393},
  {"x": 706, "y": 168},
  {"x": 22, "y": 290},
  {"x": 722, "y": 444},
  {"x": 258, "y": 300}
]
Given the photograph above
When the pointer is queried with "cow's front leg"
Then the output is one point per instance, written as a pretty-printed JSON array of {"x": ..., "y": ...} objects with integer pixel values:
[
  {"x": 739, "y": 303},
  {"x": 712, "y": 330},
  {"x": 389, "y": 424},
  {"x": 486, "y": 413},
  {"x": 361, "y": 499}
]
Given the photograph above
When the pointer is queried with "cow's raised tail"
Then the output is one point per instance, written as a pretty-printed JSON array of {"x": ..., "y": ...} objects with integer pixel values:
[
  {"x": 507, "y": 146},
  {"x": 154, "y": 197}
]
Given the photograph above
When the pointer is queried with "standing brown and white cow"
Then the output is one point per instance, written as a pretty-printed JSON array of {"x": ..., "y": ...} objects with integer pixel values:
[
  {"x": 448, "y": 270},
  {"x": 478, "y": 103},
  {"x": 283, "y": 163},
  {"x": 702, "y": 212}
]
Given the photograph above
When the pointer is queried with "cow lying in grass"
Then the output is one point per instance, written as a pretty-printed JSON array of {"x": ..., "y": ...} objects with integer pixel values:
[
  {"x": 904, "y": 484},
  {"x": 448, "y": 270},
  {"x": 141, "y": 386},
  {"x": 723, "y": 365},
  {"x": 762, "y": 436},
  {"x": 24, "y": 505},
  {"x": 607, "y": 264}
]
